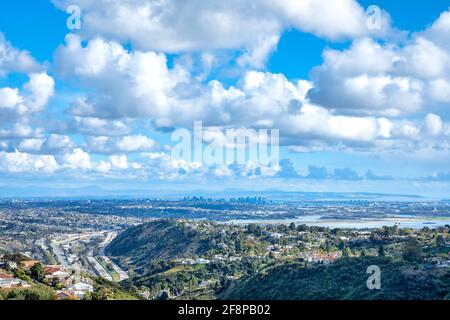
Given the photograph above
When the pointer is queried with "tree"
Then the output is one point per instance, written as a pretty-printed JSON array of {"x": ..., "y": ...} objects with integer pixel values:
[
  {"x": 440, "y": 241},
  {"x": 346, "y": 252},
  {"x": 412, "y": 251},
  {"x": 164, "y": 296},
  {"x": 37, "y": 272},
  {"x": 381, "y": 252}
]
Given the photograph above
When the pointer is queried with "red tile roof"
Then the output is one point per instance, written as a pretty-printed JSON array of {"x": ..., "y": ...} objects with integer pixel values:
[{"x": 51, "y": 269}]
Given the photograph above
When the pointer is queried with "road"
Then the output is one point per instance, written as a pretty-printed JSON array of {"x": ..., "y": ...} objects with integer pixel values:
[
  {"x": 122, "y": 274},
  {"x": 109, "y": 238},
  {"x": 59, "y": 255},
  {"x": 98, "y": 267},
  {"x": 56, "y": 244}
]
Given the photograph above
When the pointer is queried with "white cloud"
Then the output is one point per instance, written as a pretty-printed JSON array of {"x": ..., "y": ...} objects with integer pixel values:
[
  {"x": 19, "y": 130},
  {"x": 126, "y": 84},
  {"x": 31, "y": 145},
  {"x": 433, "y": 124},
  {"x": 440, "y": 90},
  {"x": 41, "y": 87},
  {"x": 10, "y": 98},
  {"x": 101, "y": 127},
  {"x": 317, "y": 123},
  {"x": 371, "y": 95},
  {"x": 362, "y": 80},
  {"x": 389, "y": 79},
  {"x": 102, "y": 167},
  {"x": 58, "y": 143},
  {"x": 119, "y": 161},
  {"x": 127, "y": 144},
  {"x": 14, "y": 60},
  {"x": 439, "y": 32},
  {"x": 52, "y": 144},
  {"x": 253, "y": 26},
  {"x": 77, "y": 159},
  {"x": 170, "y": 97},
  {"x": 18, "y": 105},
  {"x": 162, "y": 166},
  {"x": 18, "y": 162},
  {"x": 138, "y": 143}
]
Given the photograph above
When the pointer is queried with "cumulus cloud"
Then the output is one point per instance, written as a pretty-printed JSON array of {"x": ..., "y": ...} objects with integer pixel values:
[
  {"x": 345, "y": 174},
  {"x": 100, "y": 127},
  {"x": 372, "y": 96},
  {"x": 170, "y": 97},
  {"x": 18, "y": 105},
  {"x": 77, "y": 159},
  {"x": 52, "y": 144},
  {"x": 433, "y": 124},
  {"x": 126, "y": 84},
  {"x": 439, "y": 32},
  {"x": 315, "y": 172},
  {"x": 31, "y": 145},
  {"x": 18, "y": 162},
  {"x": 126, "y": 144},
  {"x": 19, "y": 130},
  {"x": 354, "y": 110},
  {"x": 15, "y": 60},
  {"x": 287, "y": 169},
  {"x": 119, "y": 161},
  {"x": 387, "y": 79},
  {"x": 163, "y": 166},
  {"x": 176, "y": 26}
]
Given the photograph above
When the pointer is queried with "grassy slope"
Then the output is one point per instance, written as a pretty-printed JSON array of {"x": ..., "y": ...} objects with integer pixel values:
[
  {"x": 157, "y": 240},
  {"x": 346, "y": 279}
]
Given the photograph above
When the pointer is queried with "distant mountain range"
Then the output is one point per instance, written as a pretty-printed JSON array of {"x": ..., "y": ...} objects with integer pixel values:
[{"x": 93, "y": 192}]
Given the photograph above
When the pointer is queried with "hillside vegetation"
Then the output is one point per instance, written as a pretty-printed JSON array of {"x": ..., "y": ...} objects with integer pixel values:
[
  {"x": 158, "y": 240},
  {"x": 344, "y": 280},
  {"x": 204, "y": 260}
]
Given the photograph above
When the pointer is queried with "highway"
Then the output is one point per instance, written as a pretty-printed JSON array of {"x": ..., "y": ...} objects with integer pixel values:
[
  {"x": 93, "y": 260},
  {"x": 109, "y": 238}
]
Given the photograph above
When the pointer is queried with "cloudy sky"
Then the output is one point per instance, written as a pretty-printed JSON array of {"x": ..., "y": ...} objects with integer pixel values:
[{"x": 361, "y": 100}]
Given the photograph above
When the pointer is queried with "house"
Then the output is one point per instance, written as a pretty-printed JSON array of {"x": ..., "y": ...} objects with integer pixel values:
[
  {"x": 66, "y": 295},
  {"x": 82, "y": 286},
  {"x": 202, "y": 261},
  {"x": 204, "y": 284},
  {"x": 7, "y": 282},
  {"x": 276, "y": 235},
  {"x": 80, "y": 289},
  {"x": 320, "y": 258},
  {"x": 222, "y": 246},
  {"x": 56, "y": 272},
  {"x": 27, "y": 265},
  {"x": 437, "y": 262},
  {"x": 5, "y": 275}
]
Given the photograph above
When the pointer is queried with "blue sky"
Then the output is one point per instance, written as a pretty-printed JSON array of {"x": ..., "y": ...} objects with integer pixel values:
[{"x": 97, "y": 106}]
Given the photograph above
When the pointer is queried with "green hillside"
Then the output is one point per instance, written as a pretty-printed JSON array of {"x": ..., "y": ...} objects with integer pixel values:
[
  {"x": 344, "y": 280},
  {"x": 158, "y": 240},
  {"x": 202, "y": 260}
]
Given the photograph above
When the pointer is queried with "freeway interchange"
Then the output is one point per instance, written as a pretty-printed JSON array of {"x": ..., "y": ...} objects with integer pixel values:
[{"x": 85, "y": 252}]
